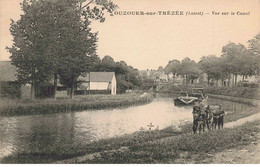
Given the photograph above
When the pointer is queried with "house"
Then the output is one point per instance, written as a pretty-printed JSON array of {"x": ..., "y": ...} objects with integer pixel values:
[
  {"x": 9, "y": 85},
  {"x": 99, "y": 82},
  {"x": 163, "y": 77}
]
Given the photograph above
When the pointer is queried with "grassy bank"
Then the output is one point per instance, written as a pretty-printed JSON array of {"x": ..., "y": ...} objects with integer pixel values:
[
  {"x": 188, "y": 147},
  {"x": 240, "y": 92},
  {"x": 9, "y": 107},
  {"x": 245, "y": 95},
  {"x": 162, "y": 146},
  {"x": 252, "y": 102}
]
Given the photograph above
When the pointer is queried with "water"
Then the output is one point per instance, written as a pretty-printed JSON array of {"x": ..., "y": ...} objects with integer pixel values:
[{"x": 55, "y": 131}]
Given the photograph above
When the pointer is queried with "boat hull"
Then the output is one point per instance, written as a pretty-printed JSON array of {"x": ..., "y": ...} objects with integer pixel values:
[{"x": 181, "y": 101}]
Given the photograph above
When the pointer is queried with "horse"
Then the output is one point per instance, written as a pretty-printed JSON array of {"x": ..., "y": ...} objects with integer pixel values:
[
  {"x": 210, "y": 121},
  {"x": 214, "y": 117},
  {"x": 199, "y": 119}
]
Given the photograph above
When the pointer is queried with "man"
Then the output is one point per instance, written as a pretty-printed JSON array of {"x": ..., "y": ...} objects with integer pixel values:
[
  {"x": 218, "y": 117},
  {"x": 221, "y": 117},
  {"x": 199, "y": 116}
]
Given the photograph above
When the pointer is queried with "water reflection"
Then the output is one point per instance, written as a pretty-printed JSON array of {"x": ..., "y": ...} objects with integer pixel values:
[
  {"x": 56, "y": 131},
  {"x": 229, "y": 106}
]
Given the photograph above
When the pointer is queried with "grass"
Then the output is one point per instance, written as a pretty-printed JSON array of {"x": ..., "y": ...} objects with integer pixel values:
[
  {"x": 252, "y": 102},
  {"x": 9, "y": 107},
  {"x": 242, "y": 92},
  {"x": 170, "y": 149}
]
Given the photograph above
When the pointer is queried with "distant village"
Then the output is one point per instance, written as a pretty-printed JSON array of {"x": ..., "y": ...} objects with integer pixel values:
[{"x": 159, "y": 76}]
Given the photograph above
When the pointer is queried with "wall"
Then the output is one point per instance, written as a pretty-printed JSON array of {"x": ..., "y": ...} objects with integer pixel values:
[
  {"x": 10, "y": 89},
  {"x": 113, "y": 85},
  {"x": 26, "y": 91},
  {"x": 99, "y": 85}
]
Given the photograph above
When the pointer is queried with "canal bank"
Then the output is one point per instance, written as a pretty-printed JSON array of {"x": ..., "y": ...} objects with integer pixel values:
[
  {"x": 253, "y": 102},
  {"x": 14, "y": 107},
  {"x": 245, "y": 95}
]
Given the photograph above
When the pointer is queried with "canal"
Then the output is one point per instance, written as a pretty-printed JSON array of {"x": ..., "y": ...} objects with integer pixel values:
[{"x": 53, "y": 131}]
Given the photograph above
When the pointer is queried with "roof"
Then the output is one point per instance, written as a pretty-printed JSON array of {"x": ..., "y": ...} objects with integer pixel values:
[
  {"x": 7, "y": 71},
  {"x": 98, "y": 77}
]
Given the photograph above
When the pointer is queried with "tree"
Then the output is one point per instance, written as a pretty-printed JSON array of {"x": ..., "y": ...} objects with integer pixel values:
[
  {"x": 254, "y": 48},
  {"x": 211, "y": 65},
  {"x": 127, "y": 77},
  {"x": 54, "y": 37},
  {"x": 231, "y": 53},
  {"x": 80, "y": 42},
  {"x": 188, "y": 69},
  {"x": 254, "y": 45},
  {"x": 29, "y": 45},
  {"x": 160, "y": 69},
  {"x": 245, "y": 63},
  {"x": 172, "y": 67},
  {"x": 107, "y": 64}
]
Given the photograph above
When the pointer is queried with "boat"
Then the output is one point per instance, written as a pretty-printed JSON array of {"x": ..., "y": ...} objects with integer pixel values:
[
  {"x": 199, "y": 93},
  {"x": 196, "y": 95},
  {"x": 185, "y": 100}
]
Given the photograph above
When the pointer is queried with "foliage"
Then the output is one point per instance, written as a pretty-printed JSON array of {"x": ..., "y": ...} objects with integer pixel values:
[
  {"x": 30, "y": 43},
  {"x": 10, "y": 90},
  {"x": 54, "y": 37},
  {"x": 254, "y": 45},
  {"x": 127, "y": 77},
  {"x": 172, "y": 67},
  {"x": 188, "y": 69},
  {"x": 212, "y": 66},
  {"x": 254, "y": 48}
]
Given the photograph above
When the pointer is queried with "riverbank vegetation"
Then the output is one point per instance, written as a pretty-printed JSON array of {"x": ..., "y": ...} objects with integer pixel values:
[
  {"x": 185, "y": 148},
  {"x": 168, "y": 145},
  {"x": 243, "y": 92},
  {"x": 237, "y": 92},
  {"x": 9, "y": 107}
]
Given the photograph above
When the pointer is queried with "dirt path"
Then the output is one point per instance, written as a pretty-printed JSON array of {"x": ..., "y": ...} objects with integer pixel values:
[
  {"x": 243, "y": 155},
  {"x": 251, "y": 118},
  {"x": 249, "y": 154}
]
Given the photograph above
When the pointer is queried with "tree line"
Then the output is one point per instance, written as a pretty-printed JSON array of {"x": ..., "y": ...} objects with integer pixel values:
[{"x": 236, "y": 59}]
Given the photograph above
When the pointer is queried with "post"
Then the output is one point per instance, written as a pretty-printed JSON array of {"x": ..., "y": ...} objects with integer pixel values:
[
  {"x": 72, "y": 91},
  {"x": 33, "y": 84},
  {"x": 55, "y": 86}
]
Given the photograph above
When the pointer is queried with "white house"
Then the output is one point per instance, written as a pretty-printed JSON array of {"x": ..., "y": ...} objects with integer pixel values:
[{"x": 99, "y": 81}]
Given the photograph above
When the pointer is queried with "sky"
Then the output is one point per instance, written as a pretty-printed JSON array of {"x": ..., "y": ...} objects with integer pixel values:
[{"x": 150, "y": 41}]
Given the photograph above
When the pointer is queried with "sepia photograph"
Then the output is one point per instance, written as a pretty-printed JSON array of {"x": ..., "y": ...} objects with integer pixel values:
[{"x": 129, "y": 82}]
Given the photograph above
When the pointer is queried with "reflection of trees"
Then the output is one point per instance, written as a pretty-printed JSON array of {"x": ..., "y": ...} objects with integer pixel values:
[
  {"x": 7, "y": 140},
  {"x": 44, "y": 133}
]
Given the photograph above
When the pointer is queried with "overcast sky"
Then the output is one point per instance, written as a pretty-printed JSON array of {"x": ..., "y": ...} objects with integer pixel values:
[{"x": 147, "y": 42}]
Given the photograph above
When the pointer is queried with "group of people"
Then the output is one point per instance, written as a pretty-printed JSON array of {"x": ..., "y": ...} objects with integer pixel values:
[{"x": 206, "y": 115}]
